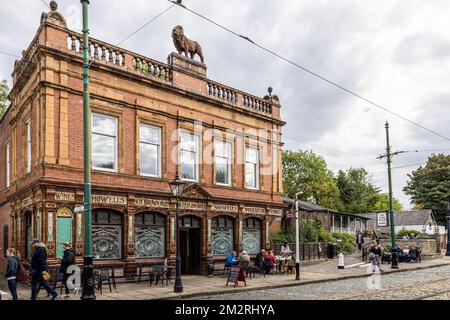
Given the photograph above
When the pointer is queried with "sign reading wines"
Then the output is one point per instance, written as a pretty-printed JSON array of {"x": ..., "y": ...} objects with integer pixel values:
[{"x": 235, "y": 275}]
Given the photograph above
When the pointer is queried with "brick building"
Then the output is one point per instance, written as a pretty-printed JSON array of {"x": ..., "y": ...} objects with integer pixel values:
[{"x": 149, "y": 119}]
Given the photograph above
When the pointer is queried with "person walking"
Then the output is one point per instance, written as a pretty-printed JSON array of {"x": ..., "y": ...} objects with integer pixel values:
[
  {"x": 39, "y": 270},
  {"x": 12, "y": 269},
  {"x": 67, "y": 260},
  {"x": 359, "y": 240}
]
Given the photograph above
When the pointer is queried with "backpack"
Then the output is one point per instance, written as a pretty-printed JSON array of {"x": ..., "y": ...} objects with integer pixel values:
[{"x": 22, "y": 273}]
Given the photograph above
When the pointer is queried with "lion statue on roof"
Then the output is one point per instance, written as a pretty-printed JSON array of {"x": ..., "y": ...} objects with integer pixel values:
[{"x": 184, "y": 44}]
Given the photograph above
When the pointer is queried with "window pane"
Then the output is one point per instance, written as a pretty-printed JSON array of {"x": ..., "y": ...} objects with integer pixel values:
[
  {"x": 150, "y": 241},
  {"x": 250, "y": 176},
  {"x": 149, "y": 159},
  {"x": 222, "y": 174},
  {"x": 107, "y": 242},
  {"x": 251, "y": 155},
  {"x": 252, "y": 240},
  {"x": 188, "y": 166},
  {"x": 189, "y": 142},
  {"x": 103, "y": 152},
  {"x": 222, "y": 240},
  {"x": 150, "y": 134},
  {"x": 103, "y": 124}
]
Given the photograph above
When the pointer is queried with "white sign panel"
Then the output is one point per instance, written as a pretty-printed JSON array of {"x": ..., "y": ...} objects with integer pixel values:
[{"x": 382, "y": 219}]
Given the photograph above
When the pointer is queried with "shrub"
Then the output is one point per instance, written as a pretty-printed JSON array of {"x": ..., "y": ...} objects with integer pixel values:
[
  {"x": 404, "y": 232},
  {"x": 347, "y": 243}
]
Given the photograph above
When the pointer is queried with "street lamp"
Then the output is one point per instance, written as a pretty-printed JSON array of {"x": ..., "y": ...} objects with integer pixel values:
[
  {"x": 447, "y": 253},
  {"x": 177, "y": 187}
]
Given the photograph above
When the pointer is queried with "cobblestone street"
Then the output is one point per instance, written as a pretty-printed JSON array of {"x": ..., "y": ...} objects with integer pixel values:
[{"x": 427, "y": 284}]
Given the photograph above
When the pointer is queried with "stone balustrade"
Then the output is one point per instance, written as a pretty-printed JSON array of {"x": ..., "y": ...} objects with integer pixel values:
[
  {"x": 221, "y": 92},
  {"x": 99, "y": 51},
  {"x": 257, "y": 104},
  {"x": 151, "y": 68}
]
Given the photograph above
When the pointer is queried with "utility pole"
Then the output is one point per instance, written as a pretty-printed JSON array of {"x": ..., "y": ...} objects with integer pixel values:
[
  {"x": 447, "y": 252},
  {"x": 388, "y": 156},
  {"x": 88, "y": 292},
  {"x": 297, "y": 241}
]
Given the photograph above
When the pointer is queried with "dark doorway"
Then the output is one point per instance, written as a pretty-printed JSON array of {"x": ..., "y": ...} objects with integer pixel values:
[{"x": 190, "y": 246}]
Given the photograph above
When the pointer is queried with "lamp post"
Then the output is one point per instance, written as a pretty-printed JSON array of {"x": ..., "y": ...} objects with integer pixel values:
[
  {"x": 447, "y": 252},
  {"x": 177, "y": 187},
  {"x": 88, "y": 265},
  {"x": 297, "y": 242}
]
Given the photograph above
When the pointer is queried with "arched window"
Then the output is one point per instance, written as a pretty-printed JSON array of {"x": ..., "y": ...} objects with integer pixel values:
[
  {"x": 252, "y": 235},
  {"x": 107, "y": 228},
  {"x": 150, "y": 234},
  {"x": 222, "y": 235}
]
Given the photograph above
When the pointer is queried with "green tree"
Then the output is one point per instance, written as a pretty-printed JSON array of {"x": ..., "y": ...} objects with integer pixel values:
[
  {"x": 359, "y": 194},
  {"x": 429, "y": 186},
  {"x": 4, "y": 103},
  {"x": 307, "y": 174}
]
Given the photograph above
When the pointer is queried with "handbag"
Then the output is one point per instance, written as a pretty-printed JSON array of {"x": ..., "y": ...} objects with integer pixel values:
[
  {"x": 21, "y": 273},
  {"x": 371, "y": 256},
  {"x": 45, "y": 275}
]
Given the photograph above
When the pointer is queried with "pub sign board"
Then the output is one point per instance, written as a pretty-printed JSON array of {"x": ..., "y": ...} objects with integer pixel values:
[
  {"x": 382, "y": 219},
  {"x": 235, "y": 275}
]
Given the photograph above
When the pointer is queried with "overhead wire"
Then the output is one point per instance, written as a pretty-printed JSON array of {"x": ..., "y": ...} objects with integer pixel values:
[{"x": 341, "y": 87}]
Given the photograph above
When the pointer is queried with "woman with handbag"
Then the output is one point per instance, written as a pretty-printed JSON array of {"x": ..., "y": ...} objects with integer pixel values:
[
  {"x": 39, "y": 270},
  {"x": 12, "y": 269},
  {"x": 375, "y": 254}
]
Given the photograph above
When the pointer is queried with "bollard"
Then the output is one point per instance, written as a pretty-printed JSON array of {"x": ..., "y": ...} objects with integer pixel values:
[{"x": 341, "y": 261}]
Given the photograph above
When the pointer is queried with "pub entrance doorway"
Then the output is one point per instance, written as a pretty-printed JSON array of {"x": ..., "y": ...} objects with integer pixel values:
[{"x": 190, "y": 239}]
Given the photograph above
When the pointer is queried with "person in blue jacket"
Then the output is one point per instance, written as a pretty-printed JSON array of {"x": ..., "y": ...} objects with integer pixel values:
[{"x": 231, "y": 259}]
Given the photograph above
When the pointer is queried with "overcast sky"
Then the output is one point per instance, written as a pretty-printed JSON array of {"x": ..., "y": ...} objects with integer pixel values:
[{"x": 395, "y": 53}]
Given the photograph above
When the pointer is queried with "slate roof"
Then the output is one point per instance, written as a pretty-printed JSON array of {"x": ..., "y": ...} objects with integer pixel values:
[
  {"x": 406, "y": 218},
  {"x": 309, "y": 206}
]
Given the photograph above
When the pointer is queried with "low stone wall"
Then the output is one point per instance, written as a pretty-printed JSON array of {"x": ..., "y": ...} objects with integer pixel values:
[{"x": 429, "y": 247}]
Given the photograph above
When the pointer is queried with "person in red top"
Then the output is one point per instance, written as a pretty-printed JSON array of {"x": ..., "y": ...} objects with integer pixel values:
[{"x": 270, "y": 261}]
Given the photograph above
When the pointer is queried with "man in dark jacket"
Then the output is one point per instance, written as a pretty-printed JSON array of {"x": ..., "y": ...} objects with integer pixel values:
[
  {"x": 12, "y": 268},
  {"x": 38, "y": 267},
  {"x": 67, "y": 260}
]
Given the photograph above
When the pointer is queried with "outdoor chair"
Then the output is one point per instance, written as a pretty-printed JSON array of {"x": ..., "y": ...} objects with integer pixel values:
[
  {"x": 247, "y": 269},
  {"x": 259, "y": 269},
  {"x": 104, "y": 275},
  {"x": 143, "y": 271},
  {"x": 157, "y": 275}
]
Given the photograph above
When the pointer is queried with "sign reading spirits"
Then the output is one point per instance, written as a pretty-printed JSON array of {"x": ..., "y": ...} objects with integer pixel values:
[{"x": 155, "y": 203}]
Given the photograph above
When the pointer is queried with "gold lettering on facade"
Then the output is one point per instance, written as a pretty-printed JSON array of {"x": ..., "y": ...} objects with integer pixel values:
[
  {"x": 64, "y": 196},
  {"x": 254, "y": 210},
  {"x": 224, "y": 207},
  {"x": 192, "y": 205},
  {"x": 276, "y": 212},
  {"x": 155, "y": 203},
  {"x": 109, "y": 199}
]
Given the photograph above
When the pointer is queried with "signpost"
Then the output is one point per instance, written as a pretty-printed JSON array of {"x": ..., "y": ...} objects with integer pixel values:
[{"x": 235, "y": 275}]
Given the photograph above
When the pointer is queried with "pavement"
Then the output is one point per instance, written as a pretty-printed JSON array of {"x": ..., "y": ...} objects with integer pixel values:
[{"x": 196, "y": 286}]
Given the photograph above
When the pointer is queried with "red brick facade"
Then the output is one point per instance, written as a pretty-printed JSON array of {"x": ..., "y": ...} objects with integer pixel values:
[{"x": 133, "y": 89}]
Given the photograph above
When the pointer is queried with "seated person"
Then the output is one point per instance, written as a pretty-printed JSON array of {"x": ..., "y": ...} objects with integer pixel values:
[
  {"x": 406, "y": 255},
  {"x": 244, "y": 257},
  {"x": 231, "y": 259},
  {"x": 259, "y": 259},
  {"x": 285, "y": 250},
  {"x": 270, "y": 261}
]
